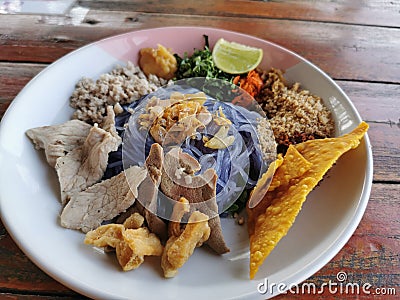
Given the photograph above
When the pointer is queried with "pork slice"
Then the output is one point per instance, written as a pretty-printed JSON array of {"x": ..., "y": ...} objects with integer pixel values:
[
  {"x": 108, "y": 123},
  {"x": 84, "y": 166},
  {"x": 199, "y": 190},
  {"x": 148, "y": 192},
  {"x": 103, "y": 201},
  {"x": 58, "y": 140}
]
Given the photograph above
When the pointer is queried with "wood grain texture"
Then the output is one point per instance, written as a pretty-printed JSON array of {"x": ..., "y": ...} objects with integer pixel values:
[
  {"x": 378, "y": 12},
  {"x": 372, "y": 52}
]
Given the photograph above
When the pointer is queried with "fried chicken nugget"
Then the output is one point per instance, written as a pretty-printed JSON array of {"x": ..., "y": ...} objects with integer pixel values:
[
  {"x": 287, "y": 199},
  {"x": 179, "y": 248}
]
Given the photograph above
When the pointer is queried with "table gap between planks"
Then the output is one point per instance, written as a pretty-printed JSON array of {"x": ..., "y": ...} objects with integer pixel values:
[{"x": 357, "y": 43}]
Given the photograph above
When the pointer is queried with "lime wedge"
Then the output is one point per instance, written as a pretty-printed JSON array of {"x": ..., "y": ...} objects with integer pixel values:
[{"x": 235, "y": 58}]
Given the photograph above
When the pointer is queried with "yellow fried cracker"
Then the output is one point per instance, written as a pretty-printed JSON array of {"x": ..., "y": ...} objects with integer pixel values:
[
  {"x": 323, "y": 153},
  {"x": 256, "y": 204},
  {"x": 105, "y": 235},
  {"x": 292, "y": 166},
  {"x": 287, "y": 200}
]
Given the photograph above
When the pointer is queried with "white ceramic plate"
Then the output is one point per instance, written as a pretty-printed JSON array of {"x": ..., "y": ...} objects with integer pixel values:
[{"x": 29, "y": 192}]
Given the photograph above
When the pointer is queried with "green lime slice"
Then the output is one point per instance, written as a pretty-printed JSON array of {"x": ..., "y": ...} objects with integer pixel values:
[{"x": 235, "y": 58}]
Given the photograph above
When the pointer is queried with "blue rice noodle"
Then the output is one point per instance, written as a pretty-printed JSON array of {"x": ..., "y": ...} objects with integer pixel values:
[{"x": 238, "y": 166}]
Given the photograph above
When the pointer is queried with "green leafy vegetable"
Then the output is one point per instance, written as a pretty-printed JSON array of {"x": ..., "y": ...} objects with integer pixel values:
[
  {"x": 200, "y": 64},
  {"x": 239, "y": 204}
]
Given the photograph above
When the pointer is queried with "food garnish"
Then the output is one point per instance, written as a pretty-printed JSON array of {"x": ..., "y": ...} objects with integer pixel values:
[
  {"x": 291, "y": 189},
  {"x": 221, "y": 139},
  {"x": 294, "y": 114},
  {"x": 251, "y": 83},
  {"x": 200, "y": 64},
  {"x": 236, "y": 58},
  {"x": 179, "y": 121}
]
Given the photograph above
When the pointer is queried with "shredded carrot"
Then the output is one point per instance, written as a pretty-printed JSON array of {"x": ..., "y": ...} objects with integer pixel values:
[
  {"x": 252, "y": 83},
  {"x": 236, "y": 79}
]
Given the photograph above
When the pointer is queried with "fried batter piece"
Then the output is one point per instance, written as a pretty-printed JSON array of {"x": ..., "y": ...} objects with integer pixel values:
[
  {"x": 143, "y": 242},
  {"x": 105, "y": 235},
  {"x": 179, "y": 248},
  {"x": 127, "y": 259},
  {"x": 180, "y": 208},
  {"x": 134, "y": 221},
  {"x": 131, "y": 245}
]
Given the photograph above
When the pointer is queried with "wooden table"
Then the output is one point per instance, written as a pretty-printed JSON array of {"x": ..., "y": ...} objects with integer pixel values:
[{"x": 356, "y": 42}]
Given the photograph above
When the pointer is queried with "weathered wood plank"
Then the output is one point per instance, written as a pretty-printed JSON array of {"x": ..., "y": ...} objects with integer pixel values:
[
  {"x": 377, "y": 12},
  {"x": 15, "y": 296},
  {"x": 375, "y": 101},
  {"x": 379, "y": 105},
  {"x": 368, "y": 53},
  {"x": 371, "y": 255},
  {"x": 386, "y": 151},
  {"x": 13, "y": 77},
  {"x": 16, "y": 270}
]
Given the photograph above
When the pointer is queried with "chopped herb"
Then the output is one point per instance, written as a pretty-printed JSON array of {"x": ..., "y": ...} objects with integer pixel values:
[
  {"x": 239, "y": 204},
  {"x": 200, "y": 64}
]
